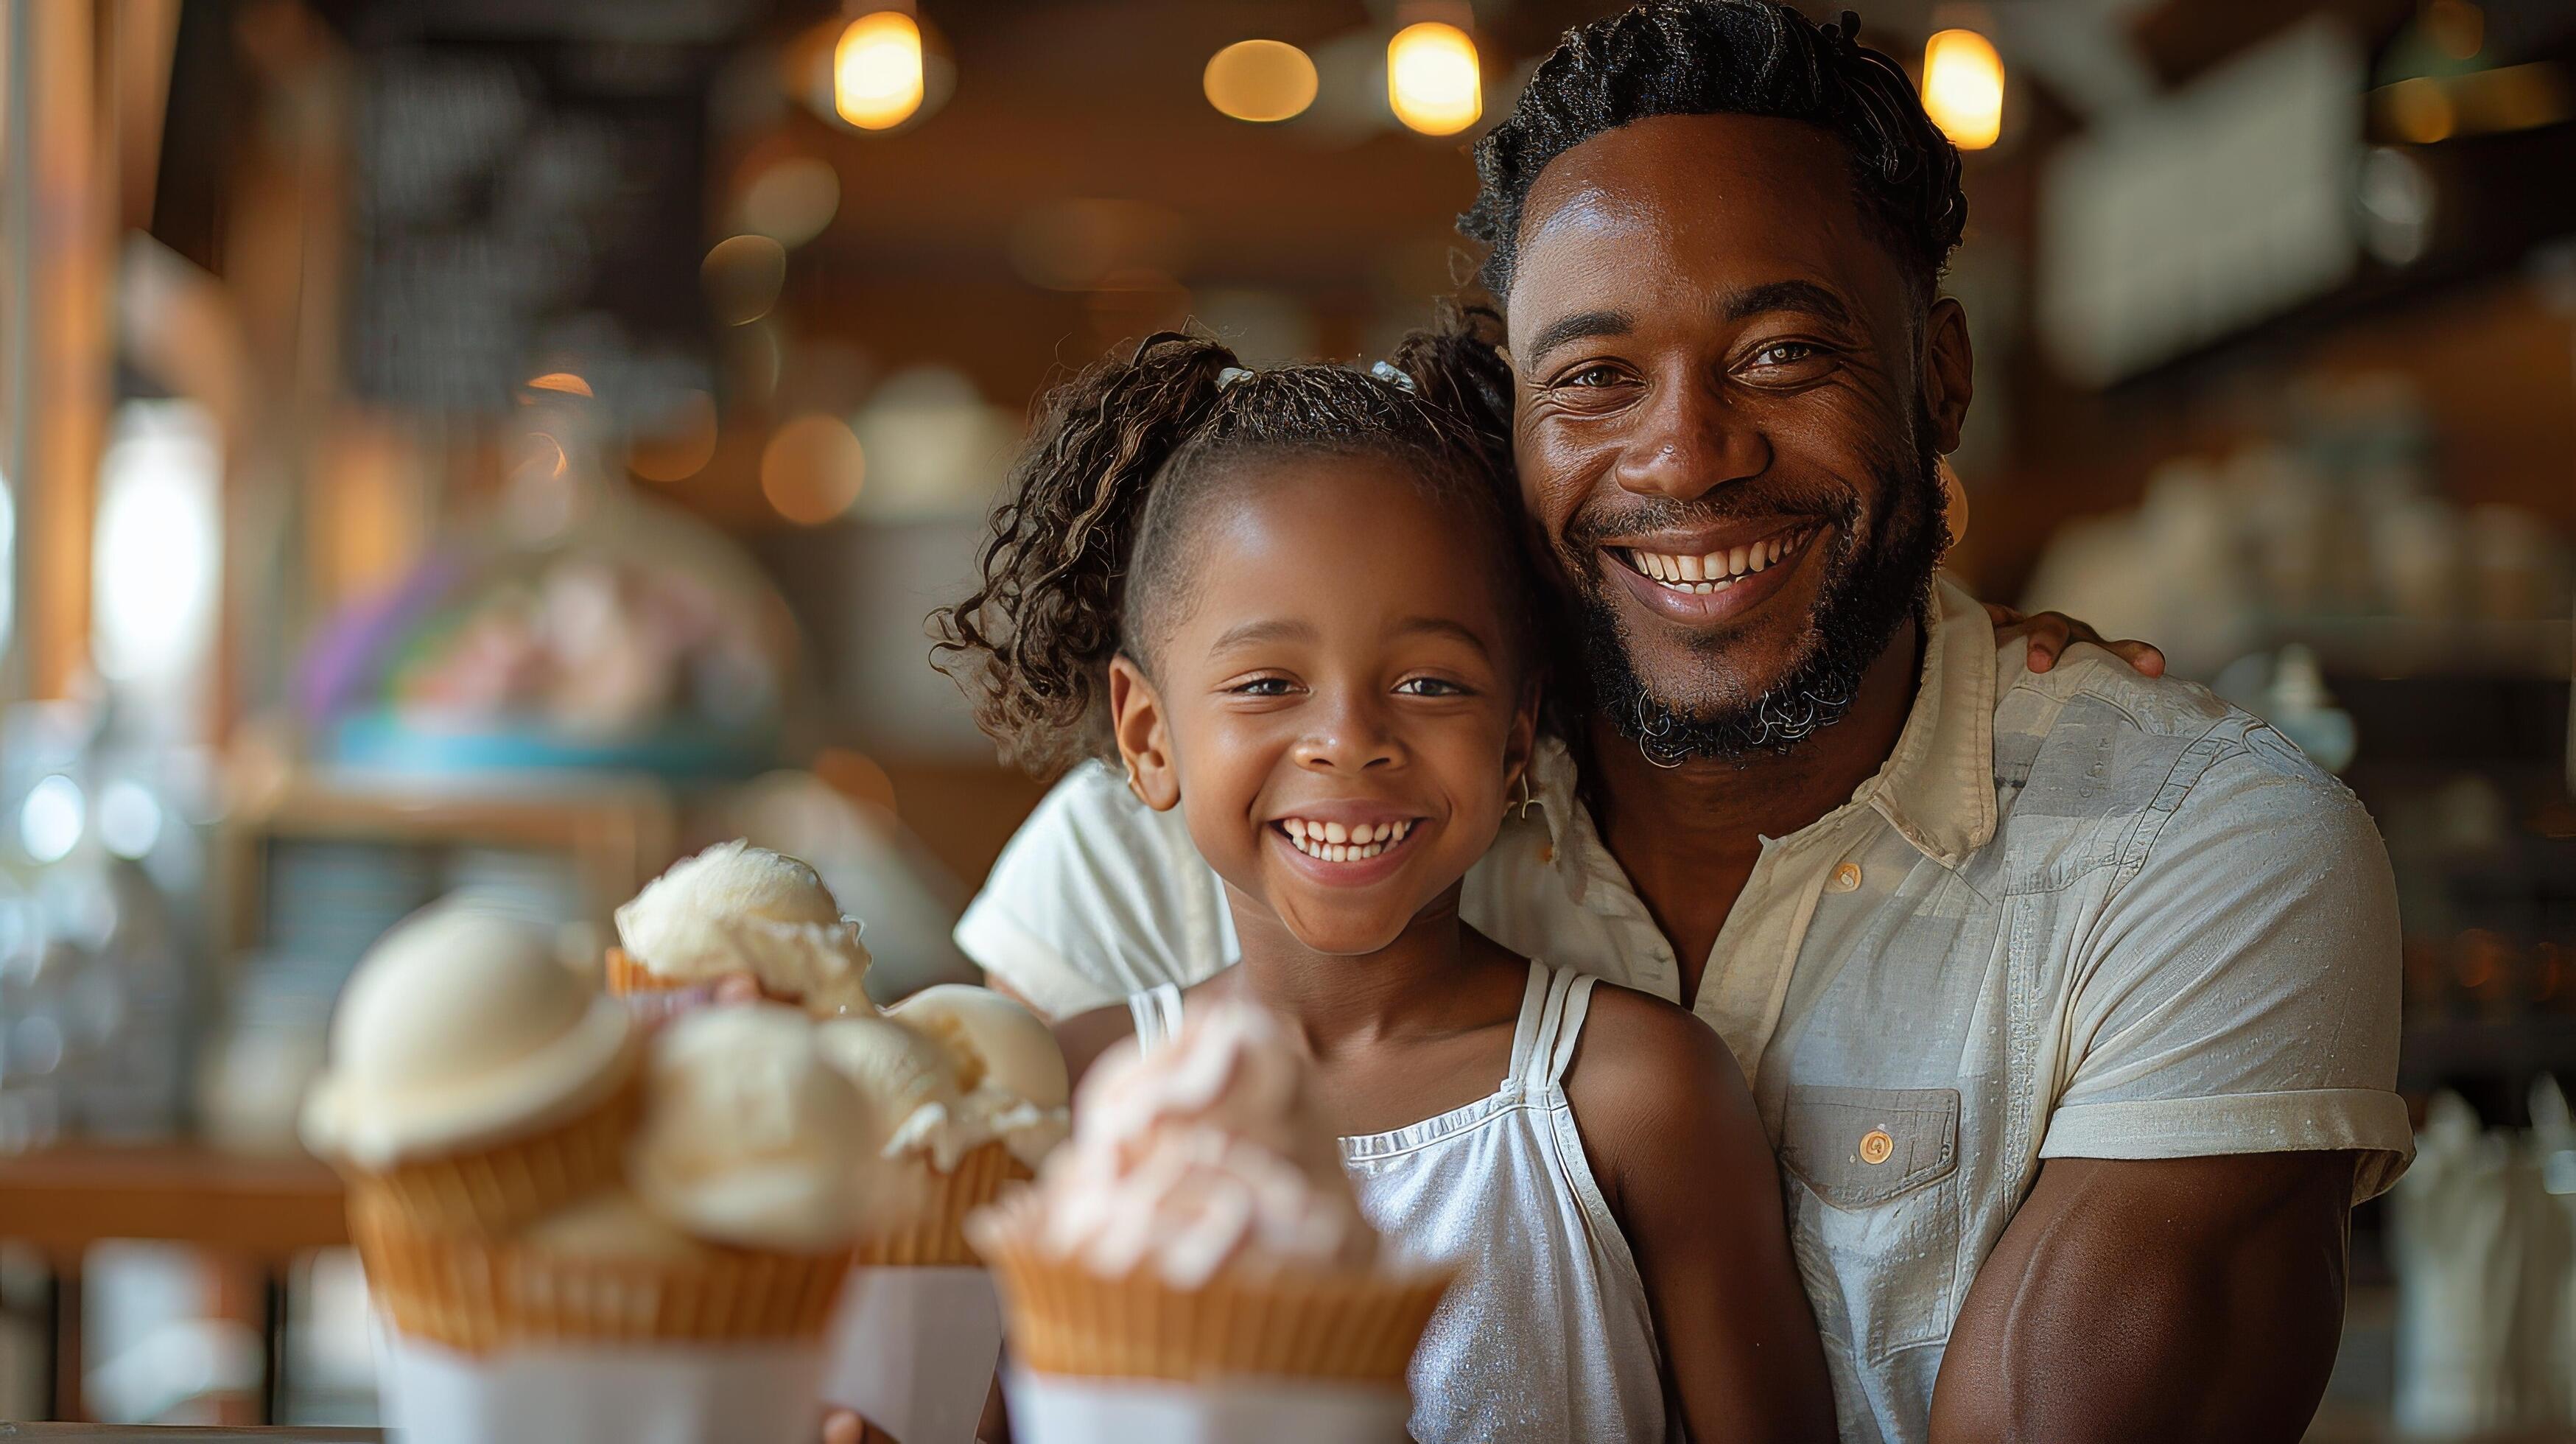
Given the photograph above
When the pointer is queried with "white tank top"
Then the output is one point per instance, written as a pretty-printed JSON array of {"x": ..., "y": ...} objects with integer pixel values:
[{"x": 1545, "y": 1336}]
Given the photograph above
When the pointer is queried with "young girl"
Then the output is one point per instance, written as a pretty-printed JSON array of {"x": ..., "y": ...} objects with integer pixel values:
[{"x": 1292, "y": 603}]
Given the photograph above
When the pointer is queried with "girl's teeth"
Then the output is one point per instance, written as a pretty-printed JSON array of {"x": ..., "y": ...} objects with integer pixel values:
[{"x": 1359, "y": 844}]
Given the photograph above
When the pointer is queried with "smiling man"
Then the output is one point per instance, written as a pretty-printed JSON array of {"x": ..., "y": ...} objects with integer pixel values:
[{"x": 2068, "y": 997}]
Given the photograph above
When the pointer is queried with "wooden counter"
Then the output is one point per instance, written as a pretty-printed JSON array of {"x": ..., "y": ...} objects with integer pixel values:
[{"x": 251, "y": 1215}]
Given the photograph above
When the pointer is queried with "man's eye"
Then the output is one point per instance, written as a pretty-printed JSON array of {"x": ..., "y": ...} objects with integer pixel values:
[
  {"x": 1591, "y": 377},
  {"x": 1430, "y": 687},
  {"x": 1783, "y": 353}
]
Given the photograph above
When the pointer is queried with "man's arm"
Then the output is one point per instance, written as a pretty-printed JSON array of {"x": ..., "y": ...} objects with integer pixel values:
[{"x": 2155, "y": 1299}]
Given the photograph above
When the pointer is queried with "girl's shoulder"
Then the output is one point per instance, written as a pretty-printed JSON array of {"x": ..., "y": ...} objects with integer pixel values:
[{"x": 1648, "y": 1076}]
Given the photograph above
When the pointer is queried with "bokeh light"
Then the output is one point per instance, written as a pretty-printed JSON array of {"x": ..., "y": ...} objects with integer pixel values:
[
  {"x": 812, "y": 468},
  {"x": 129, "y": 818},
  {"x": 876, "y": 71},
  {"x": 792, "y": 200},
  {"x": 562, "y": 382},
  {"x": 1432, "y": 80},
  {"x": 51, "y": 819},
  {"x": 743, "y": 275},
  {"x": 1963, "y": 88},
  {"x": 679, "y": 445},
  {"x": 1260, "y": 80}
]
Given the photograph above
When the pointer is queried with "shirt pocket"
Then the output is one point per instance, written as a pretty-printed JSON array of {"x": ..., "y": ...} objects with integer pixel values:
[{"x": 1876, "y": 1218}]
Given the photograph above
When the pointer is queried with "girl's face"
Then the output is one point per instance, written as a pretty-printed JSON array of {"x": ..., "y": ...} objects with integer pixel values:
[{"x": 1336, "y": 702}]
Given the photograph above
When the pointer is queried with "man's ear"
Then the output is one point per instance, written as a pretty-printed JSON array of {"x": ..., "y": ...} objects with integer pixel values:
[
  {"x": 1144, "y": 741},
  {"x": 1949, "y": 372}
]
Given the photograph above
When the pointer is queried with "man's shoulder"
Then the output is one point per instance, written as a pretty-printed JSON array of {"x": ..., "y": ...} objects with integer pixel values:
[
  {"x": 1088, "y": 811},
  {"x": 2092, "y": 741}
]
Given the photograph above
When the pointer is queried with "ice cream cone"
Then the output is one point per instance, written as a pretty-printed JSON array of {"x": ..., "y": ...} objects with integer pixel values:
[
  {"x": 477, "y": 1295},
  {"x": 626, "y": 977},
  {"x": 929, "y": 1229},
  {"x": 492, "y": 1190},
  {"x": 1356, "y": 1326}
]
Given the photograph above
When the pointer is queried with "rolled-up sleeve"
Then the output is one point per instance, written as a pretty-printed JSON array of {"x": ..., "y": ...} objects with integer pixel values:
[
  {"x": 1096, "y": 897},
  {"x": 2240, "y": 990}
]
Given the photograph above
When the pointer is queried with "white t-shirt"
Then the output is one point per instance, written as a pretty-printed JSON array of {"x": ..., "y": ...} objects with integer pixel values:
[{"x": 2080, "y": 914}]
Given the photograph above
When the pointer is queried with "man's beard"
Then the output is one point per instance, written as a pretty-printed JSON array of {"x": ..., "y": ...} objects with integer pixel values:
[{"x": 1866, "y": 597}]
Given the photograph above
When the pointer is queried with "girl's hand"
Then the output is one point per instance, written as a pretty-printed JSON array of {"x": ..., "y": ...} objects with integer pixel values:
[
  {"x": 2051, "y": 633},
  {"x": 841, "y": 1426}
]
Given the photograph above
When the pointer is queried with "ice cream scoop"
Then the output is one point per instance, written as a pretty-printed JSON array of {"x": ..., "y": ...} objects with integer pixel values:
[
  {"x": 1008, "y": 1066},
  {"x": 1206, "y": 1157},
  {"x": 997, "y": 1042},
  {"x": 750, "y": 1137},
  {"x": 457, "y": 1030},
  {"x": 735, "y": 908},
  {"x": 899, "y": 1072}
]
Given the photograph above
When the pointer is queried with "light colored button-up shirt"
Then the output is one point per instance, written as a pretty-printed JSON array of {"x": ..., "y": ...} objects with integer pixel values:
[{"x": 2078, "y": 914}]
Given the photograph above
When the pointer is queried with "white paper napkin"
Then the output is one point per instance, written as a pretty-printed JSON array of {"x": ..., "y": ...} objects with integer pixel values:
[
  {"x": 664, "y": 1394},
  {"x": 1056, "y": 1409},
  {"x": 912, "y": 1349}
]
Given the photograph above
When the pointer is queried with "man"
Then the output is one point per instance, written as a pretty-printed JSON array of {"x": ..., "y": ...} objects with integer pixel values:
[{"x": 2069, "y": 997}]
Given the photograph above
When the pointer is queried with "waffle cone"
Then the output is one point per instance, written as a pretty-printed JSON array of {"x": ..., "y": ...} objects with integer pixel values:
[
  {"x": 492, "y": 1190},
  {"x": 625, "y": 976},
  {"x": 475, "y": 1295},
  {"x": 931, "y": 1233},
  {"x": 1347, "y": 1326}
]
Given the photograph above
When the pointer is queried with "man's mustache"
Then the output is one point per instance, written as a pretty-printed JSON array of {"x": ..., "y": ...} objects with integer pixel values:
[{"x": 1596, "y": 522}]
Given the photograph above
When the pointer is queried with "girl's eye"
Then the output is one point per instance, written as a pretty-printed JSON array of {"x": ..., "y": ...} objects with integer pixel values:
[
  {"x": 1430, "y": 687},
  {"x": 1262, "y": 687}
]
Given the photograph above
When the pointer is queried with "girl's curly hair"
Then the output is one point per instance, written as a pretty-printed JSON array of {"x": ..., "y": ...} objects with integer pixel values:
[{"x": 1083, "y": 560}]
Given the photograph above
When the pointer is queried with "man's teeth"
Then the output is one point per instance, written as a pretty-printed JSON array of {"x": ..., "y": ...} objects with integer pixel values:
[
  {"x": 1716, "y": 571},
  {"x": 1334, "y": 842}
]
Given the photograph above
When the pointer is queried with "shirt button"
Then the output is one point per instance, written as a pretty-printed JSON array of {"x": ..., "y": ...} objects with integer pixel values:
[
  {"x": 1846, "y": 877},
  {"x": 1876, "y": 1147}
]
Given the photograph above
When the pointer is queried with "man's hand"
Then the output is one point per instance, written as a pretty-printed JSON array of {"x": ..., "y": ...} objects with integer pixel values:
[
  {"x": 2155, "y": 1299},
  {"x": 2051, "y": 633}
]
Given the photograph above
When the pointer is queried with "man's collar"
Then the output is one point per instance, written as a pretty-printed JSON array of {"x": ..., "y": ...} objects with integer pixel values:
[{"x": 1936, "y": 789}]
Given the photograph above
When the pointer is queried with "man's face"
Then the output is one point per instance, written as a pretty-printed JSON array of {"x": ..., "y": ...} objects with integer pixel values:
[{"x": 1730, "y": 402}]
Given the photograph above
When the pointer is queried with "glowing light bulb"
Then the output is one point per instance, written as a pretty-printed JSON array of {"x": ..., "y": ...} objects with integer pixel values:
[
  {"x": 1431, "y": 78},
  {"x": 876, "y": 70},
  {"x": 1963, "y": 88},
  {"x": 1260, "y": 80}
]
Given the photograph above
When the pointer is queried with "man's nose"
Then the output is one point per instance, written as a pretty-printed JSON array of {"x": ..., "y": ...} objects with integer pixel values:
[
  {"x": 1350, "y": 733},
  {"x": 1690, "y": 442}
]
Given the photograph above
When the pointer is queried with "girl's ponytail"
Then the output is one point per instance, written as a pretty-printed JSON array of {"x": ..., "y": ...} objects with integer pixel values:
[
  {"x": 1031, "y": 644},
  {"x": 1458, "y": 369}
]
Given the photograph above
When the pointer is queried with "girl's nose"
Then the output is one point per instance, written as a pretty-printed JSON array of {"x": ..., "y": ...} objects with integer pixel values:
[{"x": 1348, "y": 737}]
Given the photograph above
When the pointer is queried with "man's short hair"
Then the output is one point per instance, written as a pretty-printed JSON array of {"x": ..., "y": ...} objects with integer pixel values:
[{"x": 1729, "y": 57}]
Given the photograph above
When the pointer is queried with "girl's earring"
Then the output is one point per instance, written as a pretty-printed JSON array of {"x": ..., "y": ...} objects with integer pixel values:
[
  {"x": 1135, "y": 786},
  {"x": 1527, "y": 801}
]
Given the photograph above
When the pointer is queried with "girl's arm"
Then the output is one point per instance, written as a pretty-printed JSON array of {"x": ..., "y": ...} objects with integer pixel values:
[{"x": 1671, "y": 1134}]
